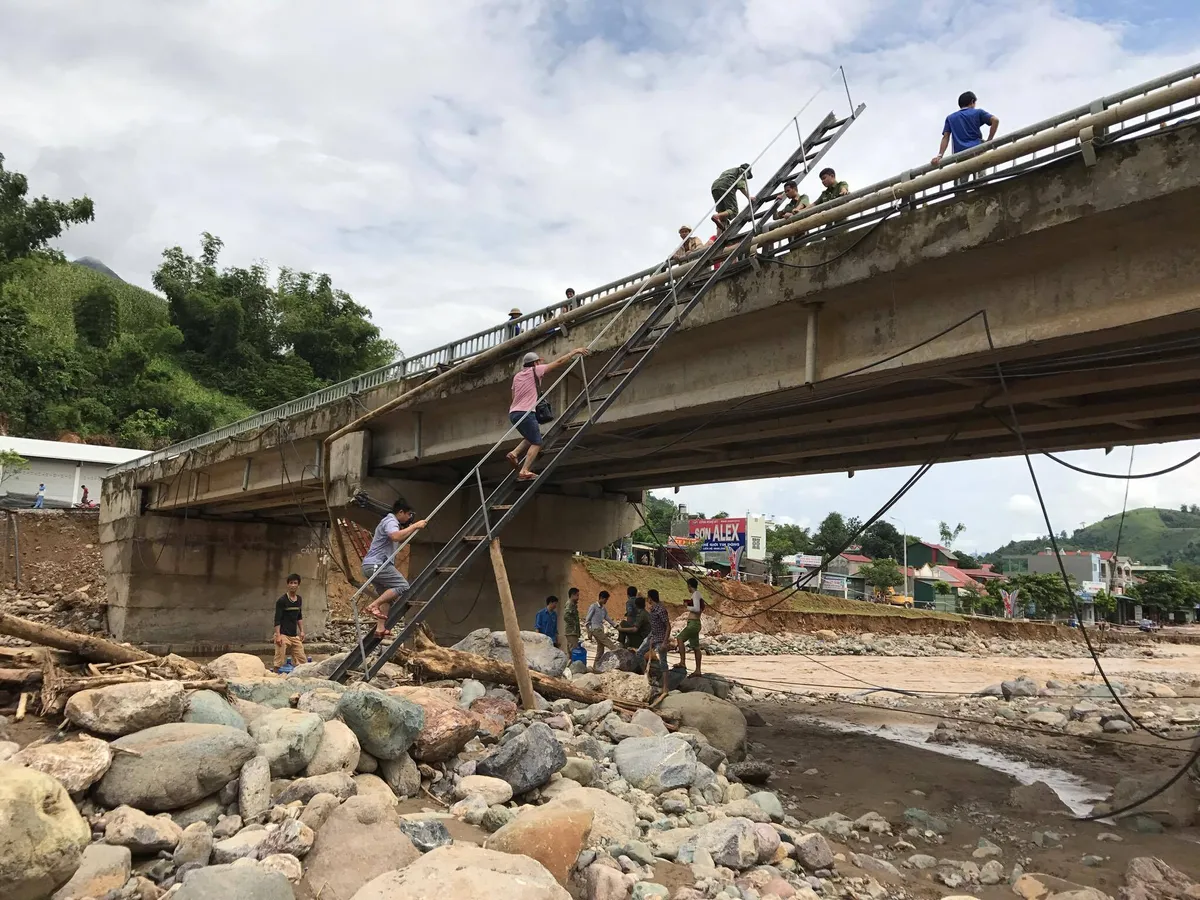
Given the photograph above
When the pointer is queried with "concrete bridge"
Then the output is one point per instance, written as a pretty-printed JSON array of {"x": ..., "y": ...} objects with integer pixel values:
[{"x": 865, "y": 345}]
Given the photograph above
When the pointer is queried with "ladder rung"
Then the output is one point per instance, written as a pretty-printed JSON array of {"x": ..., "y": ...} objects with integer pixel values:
[
  {"x": 475, "y": 538},
  {"x": 643, "y": 348},
  {"x": 619, "y": 373},
  {"x": 502, "y": 507},
  {"x": 446, "y": 570}
]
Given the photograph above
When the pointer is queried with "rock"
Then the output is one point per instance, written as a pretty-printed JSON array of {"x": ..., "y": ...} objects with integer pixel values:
[
  {"x": 175, "y": 765},
  {"x": 292, "y": 837},
  {"x": 1034, "y": 886},
  {"x": 243, "y": 845},
  {"x": 877, "y": 866},
  {"x": 558, "y": 786},
  {"x": 237, "y": 667},
  {"x": 768, "y": 842},
  {"x": 469, "y": 691},
  {"x": 254, "y": 789},
  {"x": 1020, "y": 687},
  {"x": 208, "y": 811},
  {"x": 249, "y": 712},
  {"x": 813, "y": 852},
  {"x": 125, "y": 708},
  {"x": 750, "y": 771},
  {"x": 579, "y": 769},
  {"x": 322, "y": 702},
  {"x": 769, "y": 804},
  {"x": 614, "y": 820},
  {"x": 984, "y": 849},
  {"x": 142, "y": 834},
  {"x": 78, "y": 764},
  {"x": 540, "y": 652},
  {"x": 401, "y": 775},
  {"x": 449, "y": 873},
  {"x": 286, "y": 865},
  {"x": 367, "y": 764},
  {"x": 102, "y": 869},
  {"x": 1147, "y": 878},
  {"x": 496, "y": 818},
  {"x": 385, "y": 726},
  {"x": 835, "y": 824},
  {"x": 494, "y": 714},
  {"x": 554, "y": 837},
  {"x": 730, "y": 842},
  {"x": 1118, "y": 726},
  {"x": 471, "y": 809},
  {"x": 1175, "y": 807},
  {"x": 43, "y": 834},
  {"x": 617, "y": 729},
  {"x": 1037, "y": 797},
  {"x": 605, "y": 883},
  {"x": 337, "y": 750},
  {"x": 826, "y": 634},
  {"x": 426, "y": 834},
  {"x": 1047, "y": 717},
  {"x": 210, "y": 708},
  {"x": 656, "y": 764},
  {"x": 493, "y": 790},
  {"x": 288, "y": 739},
  {"x": 360, "y": 840},
  {"x": 924, "y": 861},
  {"x": 926, "y": 821},
  {"x": 992, "y": 872},
  {"x": 720, "y": 721},
  {"x": 374, "y": 787},
  {"x": 195, "y": 845},
  {"x": 649, "y": 890},
  {"x": 244, "y": 882},
  {"x": 275, "y": 692},
  {"x": 318, "y": 809},
  {"x": 447, "y": 726},
  {"x": 340, "y": 784},
  {"x": 527, "y": 761},
  {"x": 746, "y": 809}
]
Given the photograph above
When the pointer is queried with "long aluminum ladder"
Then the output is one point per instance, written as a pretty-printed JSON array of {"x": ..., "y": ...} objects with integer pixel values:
[{"x": 673, "y": 302}]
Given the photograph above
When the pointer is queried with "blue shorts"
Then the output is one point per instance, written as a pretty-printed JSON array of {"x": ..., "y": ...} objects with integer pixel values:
[{"x": 527, "y": 426}]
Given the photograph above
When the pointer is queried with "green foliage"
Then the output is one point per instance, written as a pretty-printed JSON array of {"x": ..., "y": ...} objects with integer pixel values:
[
  {"x": 145, "y": 428},
  {"x": 97, "y": 317},
  {"x": 659, "y": 513},
  {"x": 1167, "y": 592},
  {"x": 949, "y": 535},
  {"x": 11, "y": 463},
  {"x": 1105, "y": 603},
  {"x": 883, "y": 539},
  {"x": 787, "y": 540},
  {"x": 1045, "y": 591},
  {"x": 28, "y": 226},
  {"x": 882, "y": 574},
  {"x": 833, "y": 534},
  {"x": 966, "y": 561},
  {"x": 1153, "y": 536}
]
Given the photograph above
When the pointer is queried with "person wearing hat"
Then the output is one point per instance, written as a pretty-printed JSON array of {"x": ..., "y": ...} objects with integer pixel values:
[
  {"x": 688, "y": 245},
  {"x": 724, "y": 193},
  {"x": 526, "y": 388},
  {"x": 513, "y": 329}
]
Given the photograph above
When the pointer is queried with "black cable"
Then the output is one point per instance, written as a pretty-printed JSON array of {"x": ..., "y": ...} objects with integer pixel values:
[
  {"x": 1126, "y": 477},
  {"x": 866, "y": 234}
]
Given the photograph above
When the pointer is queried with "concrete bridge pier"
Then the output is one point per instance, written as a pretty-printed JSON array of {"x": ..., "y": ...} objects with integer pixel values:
[{"x": 191, "y": 583}]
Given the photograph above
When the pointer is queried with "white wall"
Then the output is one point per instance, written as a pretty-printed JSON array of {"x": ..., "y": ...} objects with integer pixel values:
[
  {"x": 756, "y": 527},
  {"x": 62, "y": 478}
]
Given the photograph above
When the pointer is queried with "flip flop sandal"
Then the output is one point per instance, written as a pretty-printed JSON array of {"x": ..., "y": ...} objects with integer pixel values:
[
  {"x": 512, "y": 460},
  {"x": 527, "y": 476}
]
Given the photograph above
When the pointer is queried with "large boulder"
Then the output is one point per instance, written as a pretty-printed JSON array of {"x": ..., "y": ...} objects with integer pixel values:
[
  {"x": 385, "y": 726},
  {"x": 493, "y": 715},
  {"x": 526, "y": 761},
  {"x": 340, "y": 784},
  {"x": 237, "y": 667},
  {"x": 173, "y": 766},
  {"x": 720, "y": 721},
  {"x": 1175, "y": 807},
  {"x": 77, "y": 764},
  {"x": 358, "y": 841},
  {"x": 1147, "y": 878},
  {"x": 451, "y": 873},
  {"x": 493, "y": 790},
  {"x": 732, "y": 843},
  {"x": 540, "y": 652},
  {"x": 142, "y": 834},
  {"x": 235, "y": 881},
  {"x": 102, "y": 869},
  {"x": 401, "y": 775},
  {"x": 125, "y": 708},
  {"x": 210, "y": 708},
  {"x": 254, "y": 789},
  {"x": 656, "y": 764},
  {"x": 288, "y": 739},
  {"x": 554, "y": 837},
  {"x": 337, "y": 752},
  {"x": 447, "y": 726},
  {"x": 42, "y": 835},
  {"x": 614, "y": 820},
  {"x": 277, "y": 692}
]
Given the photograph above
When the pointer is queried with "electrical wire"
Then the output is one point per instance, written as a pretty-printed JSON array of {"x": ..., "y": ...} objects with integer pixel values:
[
  {"x": 866, "y": 234},
  {"x": 1128, "y": 476}
]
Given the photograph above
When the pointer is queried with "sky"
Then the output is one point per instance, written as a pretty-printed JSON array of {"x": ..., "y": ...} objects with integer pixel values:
[{"x": 444, "y": 162}]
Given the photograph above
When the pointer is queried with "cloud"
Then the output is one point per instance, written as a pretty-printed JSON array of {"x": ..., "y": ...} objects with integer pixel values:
[
  {"x": 446, "y": 161},
  {"x": 1021, "y": 503}
]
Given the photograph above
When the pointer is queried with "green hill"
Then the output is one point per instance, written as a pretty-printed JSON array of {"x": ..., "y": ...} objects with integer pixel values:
[{"x": 1150, "y": 535}]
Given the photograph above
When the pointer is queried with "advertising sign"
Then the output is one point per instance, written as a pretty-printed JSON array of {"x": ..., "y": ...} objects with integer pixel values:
[
  {"x": 718, "y": 535},
  {"x": 808, "y": 560},
  {"x": 833, "y": 583},
  {"x": 1089, "y": 589}
]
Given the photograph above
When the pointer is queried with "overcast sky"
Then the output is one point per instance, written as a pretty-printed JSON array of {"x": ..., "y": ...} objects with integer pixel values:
[{"x": 446, "y": 161}]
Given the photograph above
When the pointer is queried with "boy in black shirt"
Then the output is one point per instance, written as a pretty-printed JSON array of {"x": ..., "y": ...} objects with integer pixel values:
[{"x": 289, "y": 625}]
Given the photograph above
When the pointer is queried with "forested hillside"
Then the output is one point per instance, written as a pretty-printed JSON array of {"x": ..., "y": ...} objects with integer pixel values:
[
  {"x": 1150, "y": 535},
  {"x": 83, "y": 351}
]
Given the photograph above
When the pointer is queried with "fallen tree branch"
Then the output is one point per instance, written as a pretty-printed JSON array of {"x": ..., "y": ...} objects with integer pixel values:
[
  {"x": 90, "y": 647},
  {"x": 67, "y": 685},
  {"x": 20, "y": 679},
  {"x": 31, "y": 657}
]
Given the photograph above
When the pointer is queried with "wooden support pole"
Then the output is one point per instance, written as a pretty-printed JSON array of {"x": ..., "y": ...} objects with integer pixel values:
[{"x": 512, "y": 627}]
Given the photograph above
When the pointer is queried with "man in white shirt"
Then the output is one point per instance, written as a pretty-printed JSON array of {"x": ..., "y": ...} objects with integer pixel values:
[
  {"x": 378, "y": 566},
  {"x": 597, "y": 615},
  {"x": 691, "y": 631}
]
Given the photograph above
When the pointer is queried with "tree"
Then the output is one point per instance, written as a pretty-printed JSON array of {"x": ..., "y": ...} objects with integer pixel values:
[
  {"x": 882, "y": 574},
  {"x": 787, "y": 540},
  {"x": 1167, "y": 592},
  {"x": 966, "y": 561},
  {"x": 11, "y": 463},
  {"x": 721, "y": 515},
  {"x": 883, "y": 540},
  {"x": 28, "y": 226},
  {"x": 97, "y": 317},
  {"x": 1104, "y": 603},
  {"x": 659, "y": 513},
  {"x": 832, "y": 535},
  {"x": 950, "y": 535},
  {"x": 1045, "y": 591}
]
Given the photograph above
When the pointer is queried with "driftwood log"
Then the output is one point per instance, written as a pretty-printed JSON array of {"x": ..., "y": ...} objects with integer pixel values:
[
  {"x": 32, "y": 657},
  {"x": 89, "y": 647},
  {"x": 20, "y": 679}
]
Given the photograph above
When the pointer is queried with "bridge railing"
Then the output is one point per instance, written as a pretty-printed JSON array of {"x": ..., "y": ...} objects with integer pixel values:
[{"x": 1168, "y": 112}]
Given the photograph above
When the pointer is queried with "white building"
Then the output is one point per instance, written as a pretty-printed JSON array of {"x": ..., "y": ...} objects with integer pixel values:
[{"x": 64, "y": 469}]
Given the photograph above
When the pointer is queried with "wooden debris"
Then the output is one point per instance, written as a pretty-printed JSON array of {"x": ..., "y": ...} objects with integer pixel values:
[
  {"x": 90, "y": 647},
  {"x": 20, "y": 679},
  {"x": 21, "y": 704}
]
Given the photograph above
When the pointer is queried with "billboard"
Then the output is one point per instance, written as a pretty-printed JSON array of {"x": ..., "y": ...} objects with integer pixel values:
[
  {"x": 808, "y": 560},
  {"x": 833, "y": 583},
  {"x": 718, "y": 535}
]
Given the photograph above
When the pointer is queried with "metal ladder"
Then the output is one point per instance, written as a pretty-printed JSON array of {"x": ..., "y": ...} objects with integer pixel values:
[{"x": 674, "y": 301}]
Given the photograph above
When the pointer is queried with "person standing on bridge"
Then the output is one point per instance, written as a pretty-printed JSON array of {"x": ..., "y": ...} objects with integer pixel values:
[
  {"x": 378, "y": 566},
  {"x": 689, "y": 243},
  {"x": 526, "y": 391},
  {"x": 964, "y": 129},
  {"x": 724, "y": 193}
]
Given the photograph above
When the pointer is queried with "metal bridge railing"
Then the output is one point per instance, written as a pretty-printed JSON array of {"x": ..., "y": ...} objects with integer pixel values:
[{"x": 1168, "y": 112}]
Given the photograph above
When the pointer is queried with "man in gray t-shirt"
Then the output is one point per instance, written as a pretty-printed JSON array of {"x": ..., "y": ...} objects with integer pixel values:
[{"x": 377, "y": 565}]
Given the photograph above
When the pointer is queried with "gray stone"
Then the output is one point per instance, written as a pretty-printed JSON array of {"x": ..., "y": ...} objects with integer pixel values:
[
  {"x": 195, "y": 845},
  {"x": 227, "y": 827},
  {"x": 927, "y": 821},
  {"x": 579, "y": 769},
  {"x": 401, "y": 775},
  {"x": 132, "y": 828},
  {"x": 175, "y": 765},
  {"x": 469, "y": 691},
  {"x": 656, "y": 764},
  {"x": 285, "y": 864},
  {"x": 374, "y": 786},
  {"x": 232, "y": 666},
  {"x": 43, "y": 835},
  {"x": 1047, "y": 717},
  {"x": 292, "y": 837},
  {"x": 920, "y": 861},
  {"x": 125, "y": 708},
  {"x": 769, "y": 804},
  {"x": 873, "y": 865},
  {"x": 730, "y": 842},
  {"x": 720, "y": 721},
  {"x": 649, "y": 890},
  {"x": 318, "y": 809},
  {"x": 277, "y": 692},
  {"x": 526, "y": 761},
  {"x": 386, "y": 726},
  {"x": 1175, "y": 807},
  {"x": 496, "y": 818},
  {"x": 360, "y": 840},
  {"x": 210, "y": 708},
  {"x": 102, "y": 869},
  {"x": 338, "y": 750},
  {"x": 235, "y": 881},
  {"x": 208, "y": 811},
  {"x": 747, "y": 809},
  {"x": 340, "y": 784},
  {"x": 321, "y": 669},
  {"x": 77, "y": 764},
  {"x": 288, "y": 739},
  {"x": 323, "y": 703},
  {"x": 813, "y": 852},
  {"x": 467, "y": 872},
  {"x": 540, "y": 652},
  {"x": 244, "y": 844},
  {"x": 648, "y": 719},
  {"x": 254, "y": 789},
  {"x": 1118, "y": 726},
  {"x": 426, "y": 834},
  {"x": 1019, "y": 687}
]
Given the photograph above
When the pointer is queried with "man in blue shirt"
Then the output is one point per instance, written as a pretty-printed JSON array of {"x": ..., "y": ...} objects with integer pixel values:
[
  {"x": 546, "y": 621},
  {"x": 965, "y": 127}
]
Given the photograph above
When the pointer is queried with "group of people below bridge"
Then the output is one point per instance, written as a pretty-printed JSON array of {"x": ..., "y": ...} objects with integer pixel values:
[{"x": 645, "y": 630}]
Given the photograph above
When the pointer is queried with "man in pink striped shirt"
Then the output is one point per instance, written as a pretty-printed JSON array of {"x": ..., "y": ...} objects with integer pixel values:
[{"x": 526, "y": 386}]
